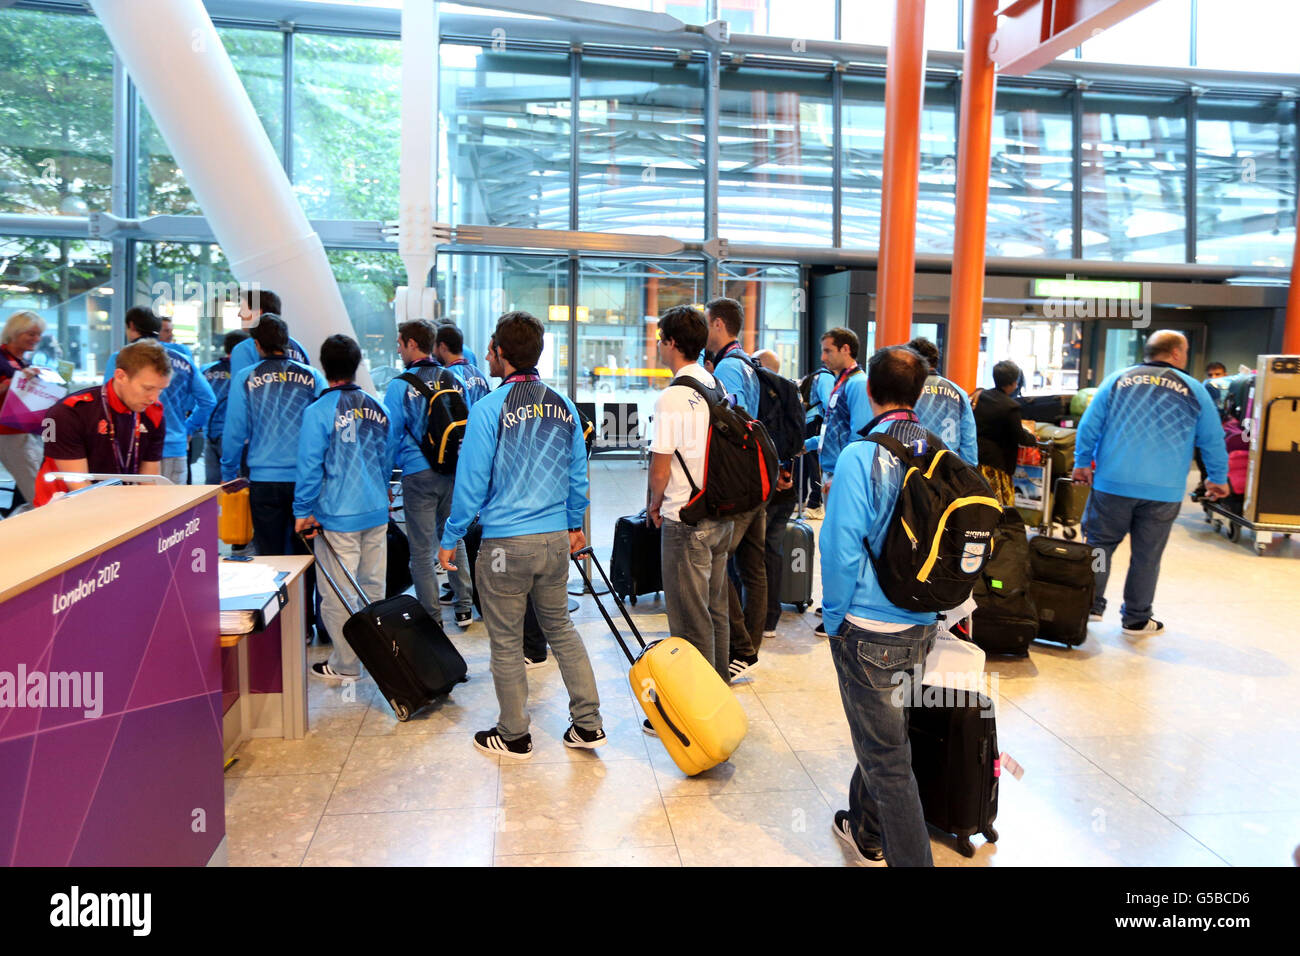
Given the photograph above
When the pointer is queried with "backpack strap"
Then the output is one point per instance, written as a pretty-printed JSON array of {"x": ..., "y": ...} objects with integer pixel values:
[
  {"x": 420, "y": 384},
  {"x": 889, "y": 442},
  {"x": 711, "y": 396}
]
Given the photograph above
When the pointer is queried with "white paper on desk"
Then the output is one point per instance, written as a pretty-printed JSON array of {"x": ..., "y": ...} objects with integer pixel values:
[{"x": 239, "y": 579}]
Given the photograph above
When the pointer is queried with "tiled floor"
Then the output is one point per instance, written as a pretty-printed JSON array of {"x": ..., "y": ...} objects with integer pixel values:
[{"x": 1173, "y": 750}]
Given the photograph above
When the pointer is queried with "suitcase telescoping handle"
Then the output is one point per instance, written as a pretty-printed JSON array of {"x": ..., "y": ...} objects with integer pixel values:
[
  {"x": 347, "y": 572},
  {"x": 587, "y": 552}
]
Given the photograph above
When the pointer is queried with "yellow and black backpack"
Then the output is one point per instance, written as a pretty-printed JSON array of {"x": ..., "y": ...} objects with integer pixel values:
[{"x": 444, "y": 421}]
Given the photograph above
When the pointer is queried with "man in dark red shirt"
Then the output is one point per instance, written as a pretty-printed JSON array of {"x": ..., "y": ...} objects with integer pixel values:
[{"x": 116, "y": 428}]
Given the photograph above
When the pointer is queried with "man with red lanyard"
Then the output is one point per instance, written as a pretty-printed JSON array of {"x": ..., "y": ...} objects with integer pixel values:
[
  {"x": 115, "y": 428},
  {"x": 848, "y": 409}
]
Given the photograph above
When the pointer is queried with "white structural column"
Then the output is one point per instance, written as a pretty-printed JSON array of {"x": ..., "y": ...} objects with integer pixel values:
[
  {"x": 185, "y": 77},
  {"x": 419, "y": 165}
]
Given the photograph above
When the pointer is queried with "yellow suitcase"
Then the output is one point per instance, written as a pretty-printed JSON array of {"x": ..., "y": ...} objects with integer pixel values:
[{"x": 698, "y": 718}]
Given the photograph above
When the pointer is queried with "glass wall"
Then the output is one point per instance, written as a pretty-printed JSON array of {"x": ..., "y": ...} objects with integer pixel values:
[
  {"x": 191, "y": 284},
  {"x": 347, "y": 120},
  {"x": 506, "y": 154},
  {"x": 863, "y": 162},
  {"x": 775, "y": 157},
  {"x": 1260, "y": 35},
  {"x": 1160, "y": 35},
  {"x": 1134, "y": 178},
  {"x": 1030, "y": 184},
  {"x": 1047, "y": 352},
  {"x": 56, "y": 114},
  {"x": 258, "y": 58},
  {"x": 641, "y": 147},
  {"x": 1245, "y": 181},
  {"x": 368, "y": 282},
  {"x": 65, "y": 281}
]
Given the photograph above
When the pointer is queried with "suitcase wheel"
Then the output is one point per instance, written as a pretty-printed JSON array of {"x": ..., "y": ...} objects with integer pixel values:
[
  {"x": 802, "y": 607},
  {"x": 965, "y": 847},
  {"x": 633, "y": 599},
  {"x": 402, "y": 712},
  {"x": 991, "y": 835}
]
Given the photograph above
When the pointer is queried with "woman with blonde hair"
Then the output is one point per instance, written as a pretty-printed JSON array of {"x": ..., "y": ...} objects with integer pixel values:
[{"x": 20, "y": 453}]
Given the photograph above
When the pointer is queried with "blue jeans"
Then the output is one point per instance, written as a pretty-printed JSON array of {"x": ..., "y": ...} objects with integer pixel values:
[
  {"x": 884, "y": 804},
  {"x": 1107, "y": 519},
  {"x": 426, "y": 500}
]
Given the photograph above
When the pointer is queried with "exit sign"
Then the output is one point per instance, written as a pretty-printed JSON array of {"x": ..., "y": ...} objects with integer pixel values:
[{"x": 1086, "y": 289}]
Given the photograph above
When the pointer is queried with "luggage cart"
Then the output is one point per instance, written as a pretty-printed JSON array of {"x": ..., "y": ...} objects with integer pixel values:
[
  {"x": 1230, "y": 523},
  {"x": 1035, "y": 476}
]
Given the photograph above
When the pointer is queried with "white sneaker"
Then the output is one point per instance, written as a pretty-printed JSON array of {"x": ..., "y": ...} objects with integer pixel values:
[
  {"x": 817, "y": 514},
  {"x": 1151, "y": 628},
  {"x": 323, "y": 669},
  {"x": 767, "y": 634},
  {"x": 1094, "y": 617}
]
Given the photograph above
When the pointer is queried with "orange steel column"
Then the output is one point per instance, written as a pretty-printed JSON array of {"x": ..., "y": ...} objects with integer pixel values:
[
  {"x": 1291, "y": 331},
  {"x": 904, "y": 94},
  {"x": 651, "y": 324},
  {"x": 750, "y": 306},
  {"x": 974, "y": 154}
]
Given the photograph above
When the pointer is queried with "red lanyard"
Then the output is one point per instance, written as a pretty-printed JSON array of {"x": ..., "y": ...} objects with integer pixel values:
[
  {"x": 522, "y": 377},
  {"x": 844, "y": 377},
  {"x": 129, "y": 467}
]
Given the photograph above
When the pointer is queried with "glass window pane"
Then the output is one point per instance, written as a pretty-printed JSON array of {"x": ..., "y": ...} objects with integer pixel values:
[
  {"x": 1047, "y": 352},
  {"x": 1245, "y": 182},
  {"x": 65, "y": 281},
  {"x": 475, "y": 290},
  {"x": 368, "y": 282},
  {"x": 258, "y": 57},
  {"x": 191, "y": 283},
  {"x": 797, "y": 19},
  {"x": 1263, "y": 37},
  {"x": 871, "y": 22},
  {"x": 56, "y": 114},
  {"x": 1134, "y": 178},
  {"x": 773, "y": 298},
  {"x": 1160, "y": 35},
  {"x": 864, "y": 139},
  {"x": 506, "y": 155},
  {"x": 774, "y": 144},
  {"x": 619, "y": 304},
  {"x": 641, "y": 148},
  {"x": 347, "y": 118},
  {"x": 1030, "y": 181}
]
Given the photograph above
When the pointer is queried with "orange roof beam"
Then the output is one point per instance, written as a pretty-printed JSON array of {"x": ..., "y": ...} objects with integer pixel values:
[{"x": 1033, "y": 33}]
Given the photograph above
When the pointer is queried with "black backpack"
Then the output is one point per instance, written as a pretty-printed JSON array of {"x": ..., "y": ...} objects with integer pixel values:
[
  {"x": 941, "y": 531},
  {"x": 806, "y": 387},
  {"x": 740, "y": 461},
  {"x": 780, "y": 408},
  {"x": 444, "y": 421}
]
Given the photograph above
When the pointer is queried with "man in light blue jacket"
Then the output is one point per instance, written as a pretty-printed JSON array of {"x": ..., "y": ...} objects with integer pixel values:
[
  {"x": 878, "y": 648},
  {"x": 344, "y": 447},
  {"x": 944, "y": 409},
  {"x": 1134, "y": 446},
  {"x": 523, "y": 471}
]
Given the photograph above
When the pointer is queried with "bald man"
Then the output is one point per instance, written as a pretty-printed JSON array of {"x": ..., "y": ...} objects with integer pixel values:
[
  {"x": 1134, "y": 446},
  {"x": 769, "y": 359}
]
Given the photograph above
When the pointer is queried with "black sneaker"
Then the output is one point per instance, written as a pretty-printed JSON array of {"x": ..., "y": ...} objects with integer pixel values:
[
  {"x": 820, "y": 629},
  {"x": 581, "y": 739},
  {"x": 323, "y": 669},
  {"x": 741, "y": 664},
  {"x": 447, "y": 595},
  {"x": 869, "y": 854},
  {"x": 648, "y": 728},
  {"x": 463, "y": 618},
  {"x": 491, "y": 742}
]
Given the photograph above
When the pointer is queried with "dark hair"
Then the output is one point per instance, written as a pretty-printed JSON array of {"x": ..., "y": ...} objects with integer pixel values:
[
  {"x": 451, "y": 337},
  {"x": 1213, "y": 365},
  {"x": 927, "y": 350},
  {"x": 518, "y": 338},
  {"x": 895, "y": 376},
  {"x": 339, "y": 357},
  {"x": 271, "y": 334},
  {"x": 841, "y": 337},
  {"x": 263, "y": 299},
  {"x": 419, "y": 331},
  {"x": 144, "y": 321},
  {"x": 144, "y": 353},
  {"x": 232, "y": 339},
  {"x": 685, "y": 327},
  {"x": 1006, "y": 373},
  {"x": 731, "y": 312}
]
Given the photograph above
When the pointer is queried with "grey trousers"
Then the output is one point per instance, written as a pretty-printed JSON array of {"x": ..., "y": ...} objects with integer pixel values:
[
  {"x": 508, "y": 571},
  {"x": 694, "y": 559},
  {"x": 366, "y": 555}
]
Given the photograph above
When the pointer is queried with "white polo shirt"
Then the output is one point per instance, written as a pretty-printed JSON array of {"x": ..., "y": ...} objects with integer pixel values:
[{"x": 682, "y": 425}]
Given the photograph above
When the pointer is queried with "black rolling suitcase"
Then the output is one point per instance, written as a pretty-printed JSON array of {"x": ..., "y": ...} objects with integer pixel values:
[
  {"x": 1063, "y": 588},
  {"x": 1005, "y": 618},
  {"x": 955, "y": 762},
  {"x": 405, "y": 650},
  {"x": 798, "y": 552},
  {"x": 634, "y": 566}
]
